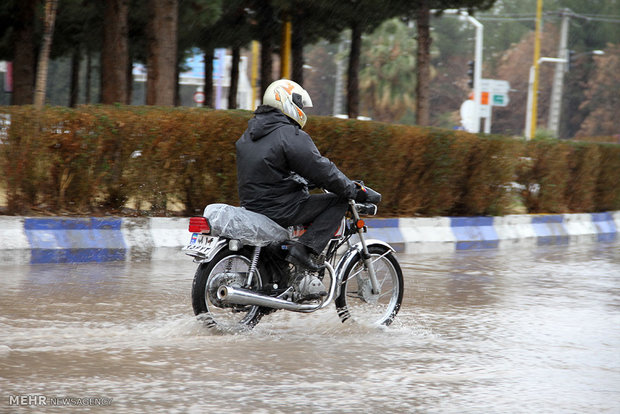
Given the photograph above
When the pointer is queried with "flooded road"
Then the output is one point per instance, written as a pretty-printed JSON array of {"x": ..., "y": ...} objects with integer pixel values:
[{"x": 486, "y": 331}]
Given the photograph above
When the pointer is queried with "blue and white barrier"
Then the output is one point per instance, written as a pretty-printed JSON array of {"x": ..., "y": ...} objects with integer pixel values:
[
  {"x": 74, "y": 240},
  {"x": 436, "y": 234},
  {"x": 63, "y": 240}
]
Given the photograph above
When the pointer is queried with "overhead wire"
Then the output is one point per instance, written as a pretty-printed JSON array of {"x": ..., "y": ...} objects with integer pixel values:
[{"x": 529, "y": 17}]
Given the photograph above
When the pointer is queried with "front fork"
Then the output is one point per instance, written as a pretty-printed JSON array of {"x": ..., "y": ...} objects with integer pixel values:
[{"x": 376, "y": 289}]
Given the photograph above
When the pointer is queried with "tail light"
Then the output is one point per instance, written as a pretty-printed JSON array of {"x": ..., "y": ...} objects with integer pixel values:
[{"x": 199, "y": 225}]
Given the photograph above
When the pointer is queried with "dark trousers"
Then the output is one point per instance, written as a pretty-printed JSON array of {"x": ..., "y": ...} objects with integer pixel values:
[{"x": 323, "y": 212}]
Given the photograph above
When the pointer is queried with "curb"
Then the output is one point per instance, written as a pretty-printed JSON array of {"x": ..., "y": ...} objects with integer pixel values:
[
  {"x": 92, "y": 239},
  {"x": 446, "y": 234}
]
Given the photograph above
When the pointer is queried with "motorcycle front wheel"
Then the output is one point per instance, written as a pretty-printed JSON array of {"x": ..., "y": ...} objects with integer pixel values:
[
  {"x": 356, "y": 300},
  {"x": 222, "y": 270}
]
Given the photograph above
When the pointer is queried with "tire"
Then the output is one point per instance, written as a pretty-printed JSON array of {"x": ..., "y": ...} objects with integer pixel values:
[
  {"x": 356, "y": 300},
  {"x": 237, "y": 317}
]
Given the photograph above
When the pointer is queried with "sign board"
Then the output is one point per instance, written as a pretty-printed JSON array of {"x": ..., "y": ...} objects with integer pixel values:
[
  {"x": 495, "y": 86},
  {"x": 485, "y": 111},
  {"x": 484, "y": 98},
  {"x": 199, "y": 97},
  {"x": 493, "y": 99},
  {"x": 493, "y": 92},
  {"x": 496, "y": 90}
]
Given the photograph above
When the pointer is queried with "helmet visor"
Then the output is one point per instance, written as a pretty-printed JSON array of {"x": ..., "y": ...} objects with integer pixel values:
[{"x": 302, "y": 99}]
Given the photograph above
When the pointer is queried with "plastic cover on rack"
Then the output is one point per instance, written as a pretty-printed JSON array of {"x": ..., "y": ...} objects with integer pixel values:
[{"x": 244, "y": 225}]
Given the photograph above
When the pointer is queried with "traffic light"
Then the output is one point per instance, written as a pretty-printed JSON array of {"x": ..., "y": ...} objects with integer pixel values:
[
  {"x": 571, "y": 60},
  {"x": 471, "y": 65}
]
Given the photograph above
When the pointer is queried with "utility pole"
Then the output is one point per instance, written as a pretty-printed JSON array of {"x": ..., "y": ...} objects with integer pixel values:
[
  {"x": 534, "y": 98},
  {"x": 558, "y": 79},
  {"x": 337, "y": 109},
  {"x": 254, "y": 79},
  {"x": 285, "y": 52}
]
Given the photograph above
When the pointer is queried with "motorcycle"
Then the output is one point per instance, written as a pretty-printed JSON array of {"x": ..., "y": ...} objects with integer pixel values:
[{"x": 242, "y": 273}]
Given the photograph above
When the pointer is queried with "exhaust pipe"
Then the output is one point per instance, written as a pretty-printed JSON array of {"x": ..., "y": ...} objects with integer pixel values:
[{"x": 239, "y": 296}]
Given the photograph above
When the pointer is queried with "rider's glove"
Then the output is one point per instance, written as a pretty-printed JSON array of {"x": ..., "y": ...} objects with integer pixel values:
[{"x": 362, "y": 195}]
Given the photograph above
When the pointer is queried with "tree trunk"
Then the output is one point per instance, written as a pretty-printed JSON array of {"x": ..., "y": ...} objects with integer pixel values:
[
  {"x": 177, "y": 84},
  {"x": 74, "y": 91},
  {"x": 423, "y": 62},
  {"x": 208, "y": 87},
  {"x": 88, "y": 81},
  {"x": 297, "y": 46},
  {"x": 129, "y": 77},
  {"x": 24, "y": 60},
  {"x": 234, "y": 78},
  {"x": 115, "y": 52},
  {"x": 162, "y": 52},
  {"x": 266, "y": 64},
  {"x": 353, "y": 71},
  {"x": 266, "y": 50},
  {"x": 48, "y": 31}
]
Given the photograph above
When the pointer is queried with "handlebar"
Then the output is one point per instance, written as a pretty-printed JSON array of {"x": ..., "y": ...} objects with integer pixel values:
[
  {"x": 372, "y": 196},
  {"x": 366, "y": 209}
]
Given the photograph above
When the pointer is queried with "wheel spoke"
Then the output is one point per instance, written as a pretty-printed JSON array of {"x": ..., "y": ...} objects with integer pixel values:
[
  {"x": 389, "y": 292},
  {"x": 229, "y": 318},
  {"x": 362, "y": 268},
  {"x": 383, "y": 282},
  {"x": 361, "y": 304}
]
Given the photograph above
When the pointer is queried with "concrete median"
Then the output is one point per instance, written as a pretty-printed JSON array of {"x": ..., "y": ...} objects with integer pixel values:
[{"x": 94, "y": 239}]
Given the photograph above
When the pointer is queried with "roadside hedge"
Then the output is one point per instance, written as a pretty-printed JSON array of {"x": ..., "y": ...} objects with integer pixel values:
[{"x": 163, "y": 161}]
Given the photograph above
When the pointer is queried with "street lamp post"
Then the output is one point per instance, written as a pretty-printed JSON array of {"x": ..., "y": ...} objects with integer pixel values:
[
  {"x": 477, "y": 68},
  {"x": 529, "y": 127},
  {"x": 477, "y": 65},
  {"x": 529, "y": 116}
]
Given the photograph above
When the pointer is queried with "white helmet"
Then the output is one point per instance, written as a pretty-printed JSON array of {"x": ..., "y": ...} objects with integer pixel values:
[{"x": 290, "y": 98}]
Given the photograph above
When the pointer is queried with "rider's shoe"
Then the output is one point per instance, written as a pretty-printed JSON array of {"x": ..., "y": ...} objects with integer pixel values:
[{"x": 299, "y": 256}]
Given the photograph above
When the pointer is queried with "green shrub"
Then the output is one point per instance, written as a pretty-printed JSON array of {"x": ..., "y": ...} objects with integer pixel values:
[
  {"x": 104, "y": 159},
  {"x": 607, "y": 193},
  {"x": 544, "y": 175},
  {"x": 584, "y": 168}
]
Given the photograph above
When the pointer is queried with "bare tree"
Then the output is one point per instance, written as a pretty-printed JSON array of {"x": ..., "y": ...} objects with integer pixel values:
[
  {"x": 353, "y": 94},
  {"x": 423, "y": 64},
  {"x": 24, "y": 60},
  {"x": 115, "y": 53},
  {"x": 48, "y": 31},
  {"x": 234, "y": 78},
  {"x": 162, "y": 52}
]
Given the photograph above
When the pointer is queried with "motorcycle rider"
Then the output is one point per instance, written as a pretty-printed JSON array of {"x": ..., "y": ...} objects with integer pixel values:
[{"x": 275, "y": 161}]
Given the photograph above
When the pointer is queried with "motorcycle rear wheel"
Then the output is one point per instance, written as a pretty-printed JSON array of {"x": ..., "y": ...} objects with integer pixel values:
[
  {"x": 234, "y": 318},
  {"x": 356, "y": 300}
]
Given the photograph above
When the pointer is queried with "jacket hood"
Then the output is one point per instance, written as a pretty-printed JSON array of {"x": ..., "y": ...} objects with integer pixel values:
[{"x": 266, "y": 120}]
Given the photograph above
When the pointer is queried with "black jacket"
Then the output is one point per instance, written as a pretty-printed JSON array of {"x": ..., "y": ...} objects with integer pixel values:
[{"x": 272, "y": 154}]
